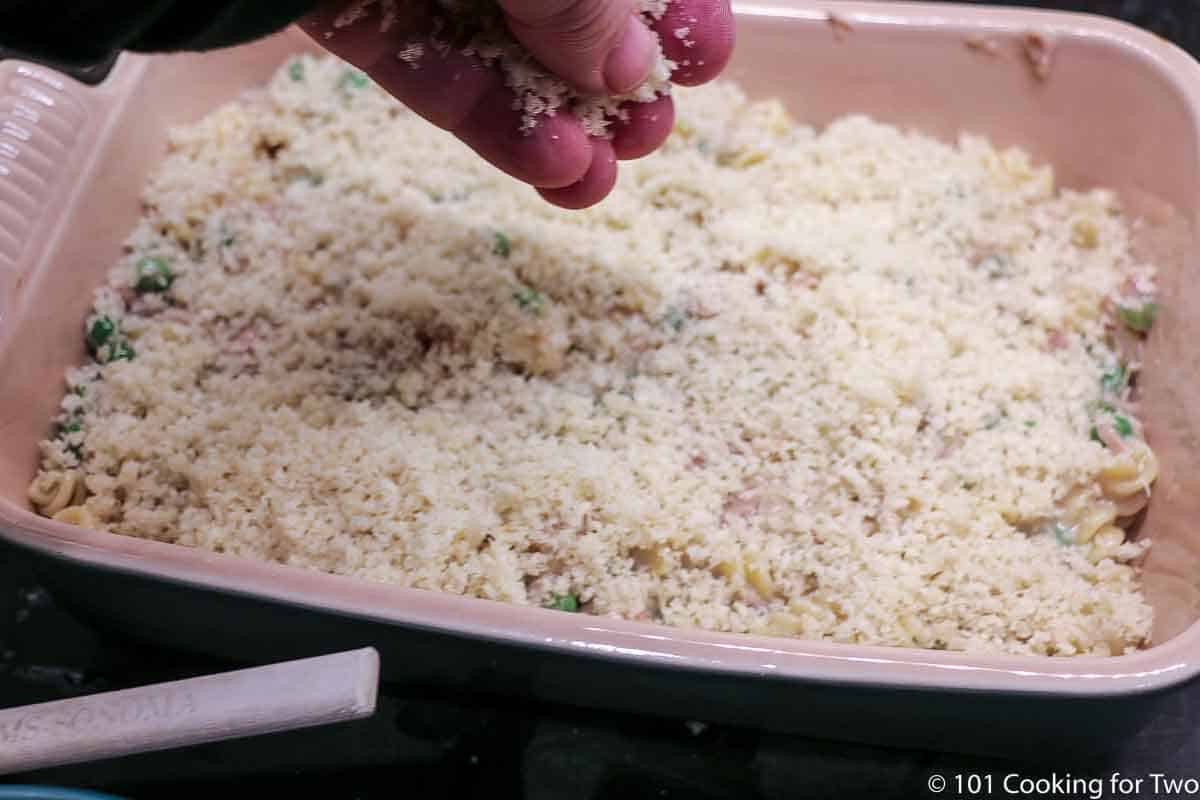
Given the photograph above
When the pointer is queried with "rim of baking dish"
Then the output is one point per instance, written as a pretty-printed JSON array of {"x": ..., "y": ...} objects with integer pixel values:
[{"x": 1157, "y": 668}]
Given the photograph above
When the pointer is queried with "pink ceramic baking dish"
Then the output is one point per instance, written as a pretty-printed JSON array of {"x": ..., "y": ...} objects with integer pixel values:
[{"x": 1105, "y": 103}]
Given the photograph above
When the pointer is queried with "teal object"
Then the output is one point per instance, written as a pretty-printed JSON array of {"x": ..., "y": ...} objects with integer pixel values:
[{"x": 51, "y": 793}]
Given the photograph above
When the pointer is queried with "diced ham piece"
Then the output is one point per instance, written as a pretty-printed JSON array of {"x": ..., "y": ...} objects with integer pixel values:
[
  {"x": 742, "y": 504},
  {"x": 1112, "y": 440},
  {"x": 1056, "y": 340}
]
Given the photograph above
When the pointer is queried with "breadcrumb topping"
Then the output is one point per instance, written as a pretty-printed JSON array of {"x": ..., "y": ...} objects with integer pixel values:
[{"x": 835, "y": 385}]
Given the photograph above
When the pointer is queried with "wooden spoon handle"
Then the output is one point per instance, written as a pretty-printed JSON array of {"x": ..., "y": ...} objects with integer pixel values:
[{"x": 230, "y": 705}]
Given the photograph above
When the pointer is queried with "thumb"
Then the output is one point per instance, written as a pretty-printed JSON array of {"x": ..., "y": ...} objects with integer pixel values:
[{"x": 599, "y": 46}]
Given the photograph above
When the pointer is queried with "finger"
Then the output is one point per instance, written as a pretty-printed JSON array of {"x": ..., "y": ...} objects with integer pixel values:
[
  {"x": 648, "y": 126},
  {"x": 698, "y": 36},
  {"x": 594, "y": 186},
  {"x": 458, "y": 93},
  {"x": 361, "y": 40},
  {"x": 556, "y": 153},
  {"x": 440, "y": 84},
  {"x": 599, "y": 46}
]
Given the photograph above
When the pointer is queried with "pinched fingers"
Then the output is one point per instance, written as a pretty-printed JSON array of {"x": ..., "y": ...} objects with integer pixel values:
[{"x": 460, "y": 94}]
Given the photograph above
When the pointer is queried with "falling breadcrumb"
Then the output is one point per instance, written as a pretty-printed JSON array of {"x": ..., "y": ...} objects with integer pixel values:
[
  {"x": 538, "y": 93},
  {"x": 411, "y": 53},
  {"x": 352, "y": 13}
]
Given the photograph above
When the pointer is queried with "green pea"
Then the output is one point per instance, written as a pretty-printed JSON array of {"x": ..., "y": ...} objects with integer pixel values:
[
  {"x": 1123, "y": 426},
  {"x": 100, "y": 332},
  {"x": 530, "y": 299},
  {"x": 354, "y": 79},
  {"x": 501, "y": 245},
  {"x": 122, "y": 351},
  {"x": 1139, "y": 318},
  {"x": 296, "y": 70},
  {"x": 564, "y": 602},
  {"x": 675, "y": 319},
  {"x": 1064, "y": 534},
  {"x": 1113, "y": 381},
  {"x": 153, "y": 274}
]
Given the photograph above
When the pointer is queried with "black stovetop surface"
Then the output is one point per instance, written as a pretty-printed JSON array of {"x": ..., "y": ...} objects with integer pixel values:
[{"x": 422, "y": 743}]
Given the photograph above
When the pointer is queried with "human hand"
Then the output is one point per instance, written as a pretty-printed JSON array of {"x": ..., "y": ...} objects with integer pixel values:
[{"x": 598, "y": 46}]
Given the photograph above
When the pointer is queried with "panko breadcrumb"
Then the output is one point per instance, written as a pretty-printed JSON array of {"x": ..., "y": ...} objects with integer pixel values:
[
  {"x": 843, "y": 385},
  {"x": 537, "y": 92}
]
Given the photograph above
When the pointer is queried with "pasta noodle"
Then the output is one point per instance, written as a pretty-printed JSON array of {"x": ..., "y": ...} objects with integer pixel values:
[
  {"x": 76, "y": 515},
  {"x": 1127, "y": 480},
  {"x": 51, "y": 492},
  {"x": 1124, "y": 491},
  {"x": 1089, "y": 515}
]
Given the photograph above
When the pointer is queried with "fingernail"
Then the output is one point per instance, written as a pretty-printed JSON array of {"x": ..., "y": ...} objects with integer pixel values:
[{"x": 629, "y": 63}]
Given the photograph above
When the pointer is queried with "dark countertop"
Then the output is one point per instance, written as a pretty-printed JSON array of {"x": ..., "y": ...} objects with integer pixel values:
[{"x": 421, "y": 744}]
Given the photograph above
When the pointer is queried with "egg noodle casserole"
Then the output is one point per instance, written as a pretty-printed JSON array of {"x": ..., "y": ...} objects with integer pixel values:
[{"x": 855, "y": 384}]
